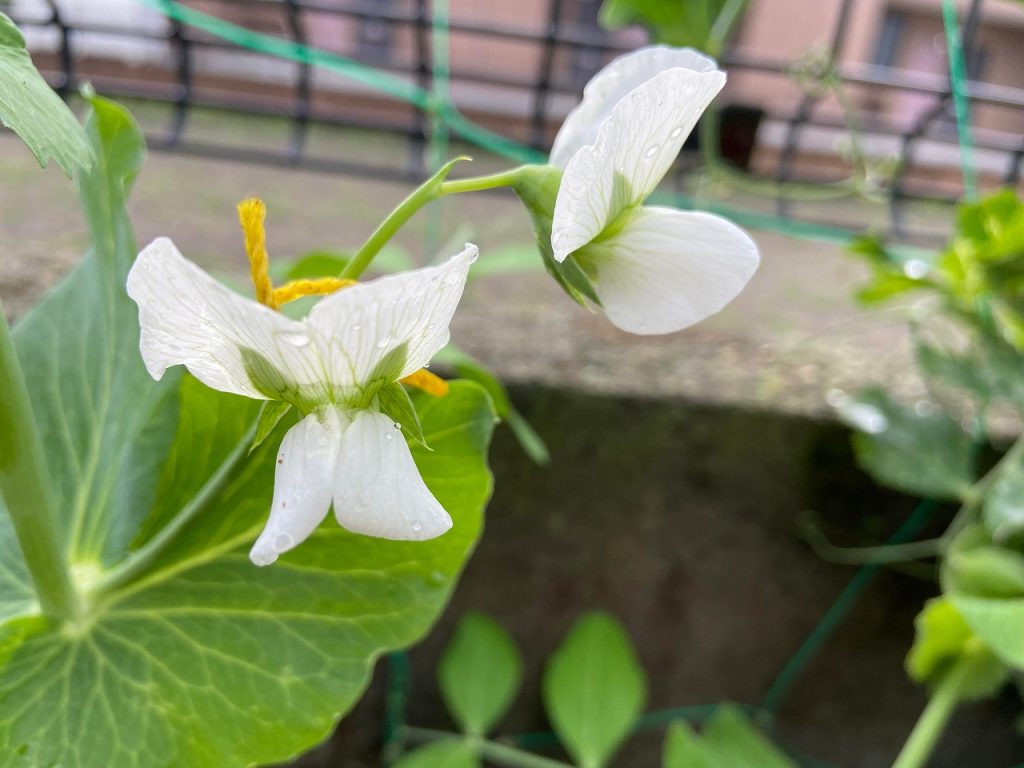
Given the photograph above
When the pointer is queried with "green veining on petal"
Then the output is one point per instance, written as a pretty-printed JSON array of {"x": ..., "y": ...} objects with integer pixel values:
[{"x": 273, "y": 384}]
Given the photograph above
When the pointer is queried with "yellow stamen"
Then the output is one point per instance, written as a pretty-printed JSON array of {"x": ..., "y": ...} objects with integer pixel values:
[
  {"x": 428, "y": 382},
  {"x": 251, "y": 214},
  {"x": 319, "y": 286}
]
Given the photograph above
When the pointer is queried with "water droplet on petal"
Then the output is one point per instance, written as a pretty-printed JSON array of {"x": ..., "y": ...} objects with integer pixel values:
[
  {"x": 356, "y": 327},
  {"x": 388, "y": 436},
  {"x": 651, "y": 151},
  {"x": 398, "y": 426},
  {"x": 296, "y": 338},
  {"x": 283, "y": 542},
  {"x": 387, "y": 341},
  {"x": 417, "y": 526},
  {"x": 676, "y": 132}
]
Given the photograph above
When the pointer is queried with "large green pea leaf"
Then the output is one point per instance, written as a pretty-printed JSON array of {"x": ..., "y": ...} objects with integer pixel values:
[
  {"x": 33, "y": 111},
  {"x": 195, "y": 657},
  {"x": 594, "y": 689}
]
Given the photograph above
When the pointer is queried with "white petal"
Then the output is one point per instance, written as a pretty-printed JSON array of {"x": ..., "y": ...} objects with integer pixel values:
[
  {"x": 356, "y": 328},
  {"x": 669, "y": 269},
  {"x": 633, "y": 151},
  {"x": 610, "y": 85},
  {"x": 303, "y": 485},
  {"x": 188, "y": 318},
  {"x": 379, "y": 490}
]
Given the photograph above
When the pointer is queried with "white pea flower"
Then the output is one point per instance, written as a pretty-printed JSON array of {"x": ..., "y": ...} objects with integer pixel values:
[
  {"x": 654, "y": 269},
  {"x": 330, "y": 365}
]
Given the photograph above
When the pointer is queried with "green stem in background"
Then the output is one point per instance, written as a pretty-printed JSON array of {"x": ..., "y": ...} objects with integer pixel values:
[
  {"x": 930, "y": 725},
  {"x": 492, "y": 751},
  {"x": 27, "y": 492},
  {"x": 432, "y": 189},
  {"x": 723, "y": 26},
  {"x": 961, "y": 102}
]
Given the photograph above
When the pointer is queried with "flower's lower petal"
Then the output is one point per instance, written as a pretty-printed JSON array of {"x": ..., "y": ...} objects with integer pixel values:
[
  {"x": 303, "y": 485},
  {"x": 379, "y": 490},
  {"x": 668, "y": 269},
  {"x": 392, "y": 326},
  {"x": 188, "y": 318}
]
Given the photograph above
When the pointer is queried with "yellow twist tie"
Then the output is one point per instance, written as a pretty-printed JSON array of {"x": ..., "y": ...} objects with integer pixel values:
[
  {"x": 320, "y": 286},
  {"x": 252, "y": 214},
  {"x": 428, "y": 382}
]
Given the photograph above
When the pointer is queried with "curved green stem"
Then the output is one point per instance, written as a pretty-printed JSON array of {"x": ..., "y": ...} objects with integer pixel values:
[
  {"x": 492, "y": 751},
  {"x": 929, "y": 727},
  {"x": 431, "y": 189},
  {"x": 480, "y": 183},
  {"x": 26, "y": 490}
]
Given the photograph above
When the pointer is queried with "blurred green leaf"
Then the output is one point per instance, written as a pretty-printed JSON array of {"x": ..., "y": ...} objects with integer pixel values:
[
  {"x": 734, "y": 743},
  {"x": 998, "y": 624},
  {"x": 683, "y": 749},
  {"x": 451, "y": 753},
  {"x": 683, "y": 23},
  {"x": 467, "y": 367},
  {"x": 30, "y": 108},
  {"x": 944, "y": 639},
  {"x": 982, "y": 268},
  {"x": 479, "y": 673},
  {"x": 594, "y": 689},
  {"x": 922, "y": 453},
  {"x": 511, "y": 259},
  {"x": 326, "y": 262},
  {"x": 891, "y": 274},
  {"x": 1003, "y": 507},
  {"x": 314, "y": 264}
]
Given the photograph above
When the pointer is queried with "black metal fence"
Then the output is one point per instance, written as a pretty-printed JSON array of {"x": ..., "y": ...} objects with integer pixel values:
[{"x": 134, "y": 52}]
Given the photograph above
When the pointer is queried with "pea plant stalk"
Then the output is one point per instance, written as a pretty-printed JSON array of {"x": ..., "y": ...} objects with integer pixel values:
[{"x": 25, "y": 489}]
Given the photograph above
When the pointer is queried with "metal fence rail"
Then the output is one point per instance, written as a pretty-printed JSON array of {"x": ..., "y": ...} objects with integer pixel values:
[{"x": 189, "y": 70}]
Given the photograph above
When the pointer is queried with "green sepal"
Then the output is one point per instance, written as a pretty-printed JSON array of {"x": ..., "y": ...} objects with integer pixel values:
[
  {"x": 394, "y": 401},
  {"x": 271, "y": 414},
  {"x": 537, "y": 186}
]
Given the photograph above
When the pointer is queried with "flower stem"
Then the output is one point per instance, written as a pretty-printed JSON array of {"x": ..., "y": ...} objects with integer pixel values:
[
  {"x": 480, "y": 183},
  {"x": 936, "y": 714},
  {"x": 499, "y": 754},
  {"x": 432, "y": 189},
  {"x": 26, "y": 490}
]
